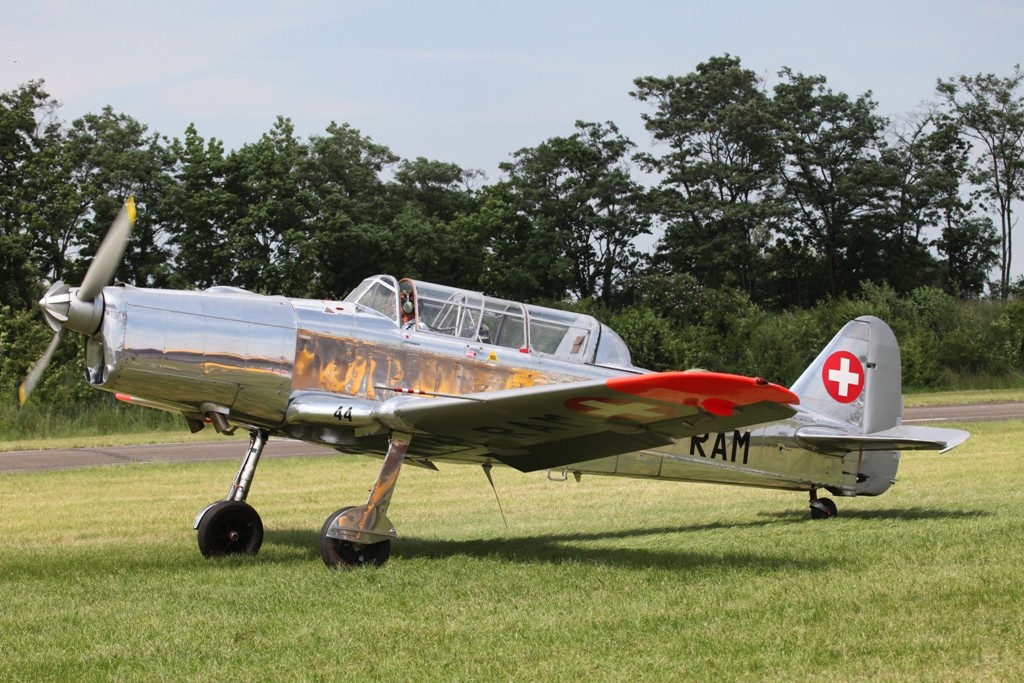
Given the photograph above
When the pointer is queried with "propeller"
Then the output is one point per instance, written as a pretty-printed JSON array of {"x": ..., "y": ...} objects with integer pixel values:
[{"x": 80, "y": 309}]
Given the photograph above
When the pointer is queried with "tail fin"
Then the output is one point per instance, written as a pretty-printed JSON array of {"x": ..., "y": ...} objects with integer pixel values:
[{"x": 857, "y": 379}]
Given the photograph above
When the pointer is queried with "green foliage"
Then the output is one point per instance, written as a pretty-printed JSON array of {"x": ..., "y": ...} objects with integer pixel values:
[
  {"x": 43, "y": 422},
  {"x": 651, "y": 338},
  {"x": 195, "y": 213},
  {"x": 970, "y": 250},
  {"x": 23, "y": 337},
  {"x": 989, "y": 113},
  {"x": 350, "y": 212},
  {"x": 432, "y": 235},
  {"x": 28, "y": 140},
  {"x": 22, "y": 340},
  {"x": 581, "y": 209},
  {"x": 677, "y": 324},
  {"x": 269, "y": 219},
  {"x": 717, "y": 175}
]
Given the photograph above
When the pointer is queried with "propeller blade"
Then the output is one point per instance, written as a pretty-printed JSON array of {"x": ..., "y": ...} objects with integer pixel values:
[
  {"x": 66, "y": 309},
  {"x": 108, "y": 256},
  {"x": 36, "y": 373}
]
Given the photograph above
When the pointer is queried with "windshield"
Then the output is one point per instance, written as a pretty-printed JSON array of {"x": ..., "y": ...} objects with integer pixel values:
[
  {"x": 478, "y": 318},
  {"x": 378, "y": 293}
]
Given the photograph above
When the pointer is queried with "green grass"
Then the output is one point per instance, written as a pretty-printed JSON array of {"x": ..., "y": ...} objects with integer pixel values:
[
  {"x": 108, "y": 423},
  {"x": 940, "y": 398},
  {"x": 115, "y": 437},
  {"x": 606, "y": 579},
  {"x": 99, "y": 423}
]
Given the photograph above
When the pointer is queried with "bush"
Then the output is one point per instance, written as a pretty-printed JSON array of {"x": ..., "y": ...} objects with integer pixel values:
[{"x": 945, "y": 343}]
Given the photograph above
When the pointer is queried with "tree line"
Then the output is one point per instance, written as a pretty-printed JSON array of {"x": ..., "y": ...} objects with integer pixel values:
[{"x": 765, "y": 200}]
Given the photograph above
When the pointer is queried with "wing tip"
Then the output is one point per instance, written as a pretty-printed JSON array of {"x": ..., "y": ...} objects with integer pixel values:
[{"x": 718, "y": 393}]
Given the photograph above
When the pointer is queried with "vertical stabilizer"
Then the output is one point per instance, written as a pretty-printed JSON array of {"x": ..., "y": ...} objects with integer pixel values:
[{"x": 857, "y": 378}]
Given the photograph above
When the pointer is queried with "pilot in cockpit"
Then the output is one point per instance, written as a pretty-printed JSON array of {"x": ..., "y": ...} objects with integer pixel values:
[{"x": 407, "y": 307}]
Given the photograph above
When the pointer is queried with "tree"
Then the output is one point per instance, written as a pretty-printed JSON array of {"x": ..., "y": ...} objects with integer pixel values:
[
  {"x": 582, "y": 212},
  {"x": 350, "y": 209},
  {"x": 109, "y": 157},
  {"x": 196, "y": 212},
  {"x": 931, "y": 159},
  {"x": 970, "y": 250},
  {"x": 832, "y": 176},
  {"x": 990, "y": 113},
  {"x": 270, "y": 215},
  {"x": 433, "y": 239},
  {"x": 721, "y": 162},
  {"x": 517, "y": 264},
  {"x": 29, "y": 138},
  {"x": 920, "y": 170}
]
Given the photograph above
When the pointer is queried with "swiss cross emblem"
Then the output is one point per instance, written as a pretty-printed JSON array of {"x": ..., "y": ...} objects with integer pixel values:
[
  {"x": 620, "y": 409},
  {"x": 843, "y": 375}
]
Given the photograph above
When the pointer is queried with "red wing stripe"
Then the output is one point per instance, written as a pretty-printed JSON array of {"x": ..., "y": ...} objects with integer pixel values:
[{"x": 715, "y": 392}]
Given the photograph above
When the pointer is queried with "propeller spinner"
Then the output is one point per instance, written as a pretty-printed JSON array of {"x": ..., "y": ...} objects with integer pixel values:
[{"x": 80, "y": 309}]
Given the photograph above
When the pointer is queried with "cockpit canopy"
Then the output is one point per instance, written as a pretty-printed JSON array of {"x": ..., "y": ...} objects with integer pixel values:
[{"x": 477, "y": 318}]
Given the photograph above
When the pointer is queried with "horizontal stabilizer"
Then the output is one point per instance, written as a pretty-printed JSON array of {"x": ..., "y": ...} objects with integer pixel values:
[{"x": 896, "y": 439}]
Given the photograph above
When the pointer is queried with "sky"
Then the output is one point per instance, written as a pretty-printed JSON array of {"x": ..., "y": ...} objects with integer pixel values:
[{"x": 472, "y": 82}]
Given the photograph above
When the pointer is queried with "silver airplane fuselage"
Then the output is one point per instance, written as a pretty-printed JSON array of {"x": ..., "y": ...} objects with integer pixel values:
[{"x": 232, "y": 357}]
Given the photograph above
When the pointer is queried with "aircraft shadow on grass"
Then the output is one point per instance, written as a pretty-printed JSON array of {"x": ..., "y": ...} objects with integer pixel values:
[
  {"x": 645, "y": 549},
  {"x": 573, "y": 547},
  {"x": 560, "y": 548},
  {"x": 906, "y": 514}
]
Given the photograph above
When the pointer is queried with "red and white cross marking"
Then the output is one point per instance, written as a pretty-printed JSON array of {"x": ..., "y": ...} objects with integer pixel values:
[
  {"x": 625, "y": 409},
  {"x": 843, "y": 376}
]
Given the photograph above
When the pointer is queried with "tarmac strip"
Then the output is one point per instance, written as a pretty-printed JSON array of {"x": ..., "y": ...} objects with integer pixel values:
[{"x": 72, "y": 458}]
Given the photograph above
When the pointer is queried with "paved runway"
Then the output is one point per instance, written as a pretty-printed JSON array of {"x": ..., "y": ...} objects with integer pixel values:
[
  {"x": 977, "y": 412},
  {"x": 199, "y": 451},
  {"x": 234, "y": 449}
]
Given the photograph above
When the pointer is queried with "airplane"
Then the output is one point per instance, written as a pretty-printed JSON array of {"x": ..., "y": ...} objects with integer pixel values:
[{"x": 418, "y": 373}]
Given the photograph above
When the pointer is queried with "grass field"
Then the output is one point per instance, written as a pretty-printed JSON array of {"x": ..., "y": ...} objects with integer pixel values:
[
  {"x": 602, "y": 580},
  {"x": 964, "y": 397}
]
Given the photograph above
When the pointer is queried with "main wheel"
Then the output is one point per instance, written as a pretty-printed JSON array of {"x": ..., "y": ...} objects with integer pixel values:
[
  {"x": 230, "y": 527},
  {"x": 338, "y": 554},
  {"x": 823, "y": 508}
]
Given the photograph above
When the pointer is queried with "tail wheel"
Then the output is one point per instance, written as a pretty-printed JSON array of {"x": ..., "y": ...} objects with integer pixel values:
[
  {"x": 339, "y": 554},
  {"x": 823, "y": 508}
]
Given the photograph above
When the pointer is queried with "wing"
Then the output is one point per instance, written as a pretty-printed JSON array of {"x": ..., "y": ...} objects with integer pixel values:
[{"x": 550, "y": 426}]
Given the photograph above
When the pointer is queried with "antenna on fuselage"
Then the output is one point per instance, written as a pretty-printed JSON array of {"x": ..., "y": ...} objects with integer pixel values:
[{"x": 487, "y": 471}]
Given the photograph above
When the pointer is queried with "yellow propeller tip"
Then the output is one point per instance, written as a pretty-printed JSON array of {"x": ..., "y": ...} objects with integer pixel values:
[{"x": 129, "y": 205}]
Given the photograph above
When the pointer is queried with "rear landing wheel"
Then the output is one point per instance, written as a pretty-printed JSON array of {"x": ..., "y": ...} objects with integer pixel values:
[
  {"x": 823, "y": 508},
  {"x": 230, "y": 527},
  {"x": 339, "y": 554}
]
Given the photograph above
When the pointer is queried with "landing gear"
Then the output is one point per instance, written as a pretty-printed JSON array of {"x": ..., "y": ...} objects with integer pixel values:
[
  {"x": 338, "y": 553},
  {"x": 231, "y": 526},
  {"x": 822, "y": 508},
  {"x": 356, "y": 536},
  {"x": 351, "y": 537}
]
